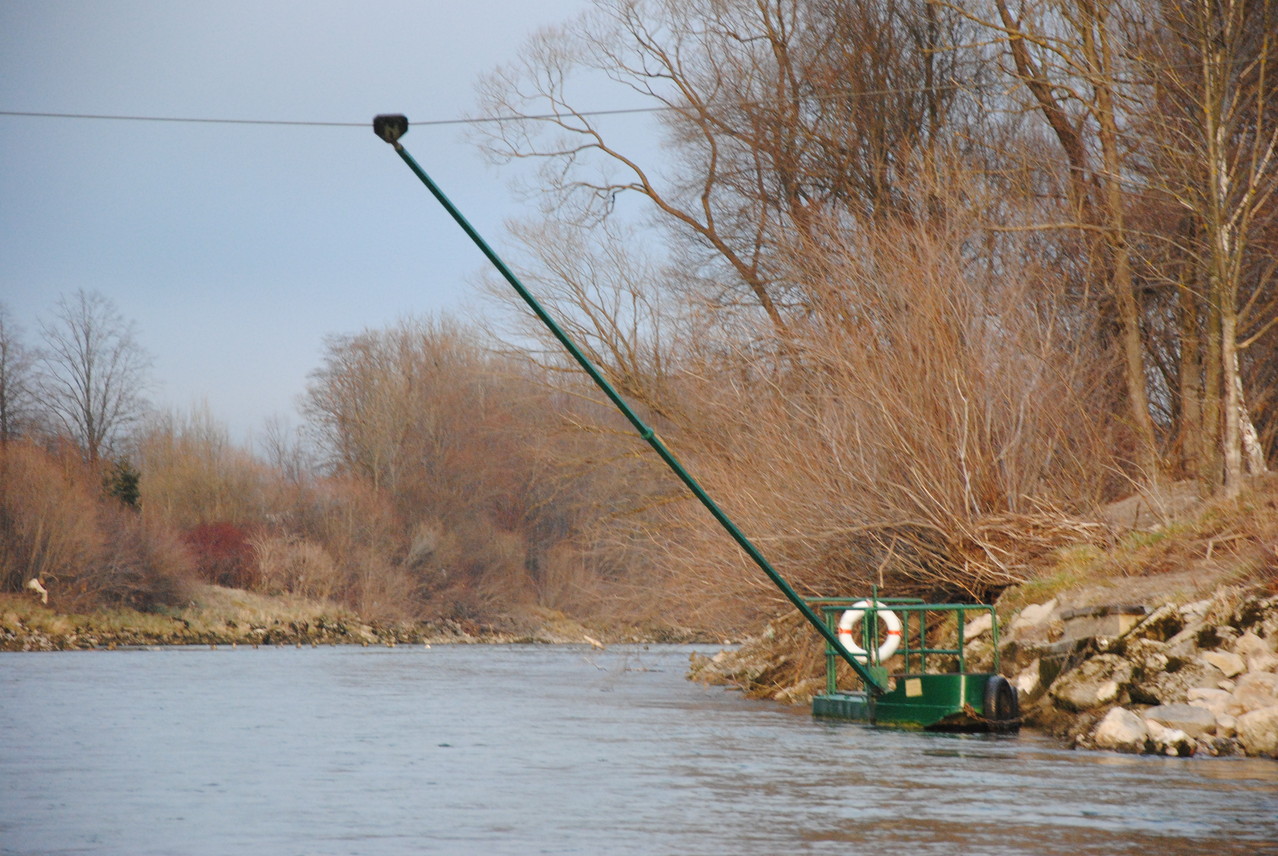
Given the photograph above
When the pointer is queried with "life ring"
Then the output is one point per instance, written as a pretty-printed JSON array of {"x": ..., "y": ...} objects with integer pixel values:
[{"x": 850, "y": 619}]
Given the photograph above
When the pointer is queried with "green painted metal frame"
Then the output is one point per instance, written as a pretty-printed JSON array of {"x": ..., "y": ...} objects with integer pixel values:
[
  {"x": 390, "y": 128},
  {"x": 918, "y": 699}
]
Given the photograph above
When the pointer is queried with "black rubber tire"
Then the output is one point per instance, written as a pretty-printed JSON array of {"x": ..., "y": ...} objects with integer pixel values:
[{"x": 1002, "y": 705}]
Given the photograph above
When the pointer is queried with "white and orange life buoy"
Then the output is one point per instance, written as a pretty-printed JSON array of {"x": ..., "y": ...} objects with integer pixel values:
[{"x": 853, "y": 616}]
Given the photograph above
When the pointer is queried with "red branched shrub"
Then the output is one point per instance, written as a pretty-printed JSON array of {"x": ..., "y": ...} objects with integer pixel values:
[{"x": 223, "y": 554}]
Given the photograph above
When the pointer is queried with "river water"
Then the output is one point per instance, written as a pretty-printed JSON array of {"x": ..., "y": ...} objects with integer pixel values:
[{"x": 560, "y": 750}]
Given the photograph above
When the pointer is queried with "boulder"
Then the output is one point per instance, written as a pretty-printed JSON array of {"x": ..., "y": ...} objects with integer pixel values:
[
  {"x": 1218, "y": 702},
  {"x": 1096, "y": 682},
  {"x": 978, "y": 626},
  {"x": 1035, "y": 623},
  {"x": 1190, "y": 618},
  {"x": 1173, "y": 686},
  {"x": 1230, "y": 664},
  {"x": 1034, "y": 614},
  {"x": 1122, "y": 731},
  {"x": 1194, "y": 721},
  {"x": 1261, "y": 618},
  {"x": 1168, "y": 741},
  {"x": 1109, "y": 621},
  {"x": 1195, "y": 611},
  {"x": 1161, "y": 624},
  {"x": 1250, "y": 644},
  {"x": 1028, "y": 682},
  {"x": 1254, "y": 691},
  {"x": 1258, "y": 731},
  {"x": 1148, "y": 656},
  {"x": 980, "y": 655},
  {"x": 1262, "y": 663}
]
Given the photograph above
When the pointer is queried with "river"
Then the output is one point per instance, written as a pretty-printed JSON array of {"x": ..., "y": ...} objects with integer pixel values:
[{"x": 554, "y": 750}]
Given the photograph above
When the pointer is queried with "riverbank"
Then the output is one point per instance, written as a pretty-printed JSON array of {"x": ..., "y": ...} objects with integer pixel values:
[
  {"x": 1161, "y": 640},
  {"x": 223, "y": 616},
  {"x": 1163, "y": 673}
]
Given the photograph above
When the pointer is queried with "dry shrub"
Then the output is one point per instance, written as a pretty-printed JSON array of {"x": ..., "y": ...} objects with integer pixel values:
[
  {"x": 89, "y": 550},
  {"x": 469, "y": 569},
  {"x": 49, "y": 526},
  {"x": 144, "y": 565},
  {"x": 287, "y": 565},
  {"x": 923, "y": 411},
  {"x": 1229, "y": 538},
  {"x": 223, "y": 554},
  {"x": 565, "y": 581},
  {"x": 192, "y": 475},
  {"x": 378, "y": 589},
  {"x": 356, "y": 529}
]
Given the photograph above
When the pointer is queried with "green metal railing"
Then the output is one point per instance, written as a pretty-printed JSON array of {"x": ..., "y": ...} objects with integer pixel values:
[
  {"x": 390, "y": 128},
  {"x": 914, "y": 649}
]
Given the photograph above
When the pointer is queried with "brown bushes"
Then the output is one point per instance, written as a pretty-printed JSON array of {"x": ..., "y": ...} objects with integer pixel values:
[
  {"x": 294, "y": 566},
  {"x": 49, "y": 518},
  {"x": 88, "y": 549}
]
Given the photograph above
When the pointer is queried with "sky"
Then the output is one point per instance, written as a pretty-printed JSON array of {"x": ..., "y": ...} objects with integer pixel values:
[{"x": 237, "y": 248}]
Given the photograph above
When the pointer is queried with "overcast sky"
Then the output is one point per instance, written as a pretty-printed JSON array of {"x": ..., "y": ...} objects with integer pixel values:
[{"x": 237, "y": 248}]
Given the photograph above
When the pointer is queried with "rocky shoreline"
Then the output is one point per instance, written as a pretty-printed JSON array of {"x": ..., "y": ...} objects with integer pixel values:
[
  {"x": 1176, "y": 678},
  {"x": 233, "y": 618},
  {"x": 16, "y": 635},
  {"x": 1143, "y": 667}
]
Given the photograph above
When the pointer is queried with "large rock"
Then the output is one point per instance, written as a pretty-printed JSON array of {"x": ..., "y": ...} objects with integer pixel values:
[
  {"x": 1207, "y": 670},
  {"x": 1258, "y": 731},
  {"x": 1035, "y": 623},
  {"x": 1192, "y": 720},
  {"x": 1258, "y": 653},
  {"x": 1170, "y": 687},
  {"x": 1028, "y": 681},
  {"x": 1261, "y": 618},
  {"x": 1148, "y": 656},
  {"x": 1254, "y": 691},
  {"x": 1262, "y": 663},
  {"x": 1096, "y": 682},
  {"x": 978, "y": 626},
  {"x": 1217, "y": 702},
  {"x": 1034, "y": 615},
  {"x": 1249, "y": 643},
  {"x": 1168, "y": 741},
  {"x": 1161, "y": 624},
  {"x": 1122, "y": 731},
  {"x": 1230, "y": 664}
]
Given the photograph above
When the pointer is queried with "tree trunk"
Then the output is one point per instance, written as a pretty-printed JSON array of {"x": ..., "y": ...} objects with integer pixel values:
[{"x": 1190, "y": 378}]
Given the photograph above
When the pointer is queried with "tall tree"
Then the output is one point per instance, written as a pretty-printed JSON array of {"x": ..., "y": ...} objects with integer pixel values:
[
  {"x": 1068, "y": 56},
  {"x": 93, "y": 372},
  {"x": 777, "y": 112},
  {"x": 1165, "y": 113},
  {"x": 1214, "y": 138}
]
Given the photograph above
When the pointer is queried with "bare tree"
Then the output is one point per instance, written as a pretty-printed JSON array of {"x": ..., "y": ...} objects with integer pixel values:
[
  {"x": 17, "y": 402},
  {"x": 1165, "y": 115},
  {"x": 1214, "y": 137},
  {"x": 285, "y": 450},
  {"x": 93, "y": 372},
  {"x": 1069, "y": 57},
  {"x": 775, "y": 112}
]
